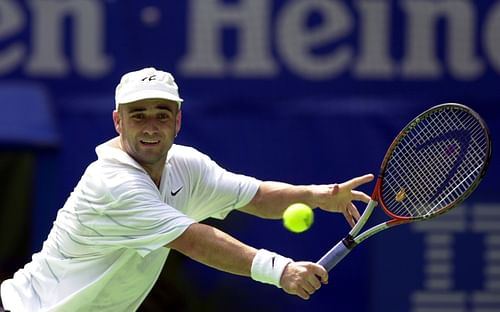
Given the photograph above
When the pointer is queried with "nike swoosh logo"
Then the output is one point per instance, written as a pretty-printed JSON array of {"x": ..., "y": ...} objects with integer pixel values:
[{"x": 173, "y": 193}]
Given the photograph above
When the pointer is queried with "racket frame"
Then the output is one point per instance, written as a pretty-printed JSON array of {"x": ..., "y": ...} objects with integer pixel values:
[
  {"x": 343, "y": 247},
  {"x": 377, "y": 194}
]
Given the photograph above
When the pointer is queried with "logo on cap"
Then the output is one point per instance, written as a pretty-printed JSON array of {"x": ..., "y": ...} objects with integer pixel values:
[{"x": 150, "y": 78}]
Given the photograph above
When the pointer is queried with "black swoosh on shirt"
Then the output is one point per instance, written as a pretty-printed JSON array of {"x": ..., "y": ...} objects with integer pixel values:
[{"x": 173, "y": 193}]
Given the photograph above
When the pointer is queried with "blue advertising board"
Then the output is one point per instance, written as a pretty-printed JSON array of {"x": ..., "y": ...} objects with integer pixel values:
[{"x": 291, "y": 90}]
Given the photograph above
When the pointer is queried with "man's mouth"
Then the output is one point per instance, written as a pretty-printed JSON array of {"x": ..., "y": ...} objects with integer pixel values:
[{"x": 150, "y": 142}]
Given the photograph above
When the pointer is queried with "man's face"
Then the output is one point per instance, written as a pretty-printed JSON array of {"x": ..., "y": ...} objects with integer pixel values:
[{"x": 147, "y": 129}]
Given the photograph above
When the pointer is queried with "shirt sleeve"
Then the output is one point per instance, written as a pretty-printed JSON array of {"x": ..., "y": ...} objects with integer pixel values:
[
  {"x": 124, "y": 208},
  {"x": 217, "y": 191}
]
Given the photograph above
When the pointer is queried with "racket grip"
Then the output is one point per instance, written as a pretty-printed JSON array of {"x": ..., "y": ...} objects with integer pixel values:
[{"x": 332, "y": 257}]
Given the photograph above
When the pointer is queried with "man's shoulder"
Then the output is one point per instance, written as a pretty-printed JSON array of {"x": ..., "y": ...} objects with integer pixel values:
[
  {"x": 188, "y": 160},
  {"x": 108, "y": 170},
  {"x": 183, "y": 152}
]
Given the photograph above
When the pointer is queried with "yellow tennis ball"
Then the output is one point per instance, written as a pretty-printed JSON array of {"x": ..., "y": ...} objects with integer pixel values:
[{"x": 298, "y": 217}]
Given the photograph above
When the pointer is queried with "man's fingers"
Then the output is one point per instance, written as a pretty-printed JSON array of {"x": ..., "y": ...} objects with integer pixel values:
[
  {"x": 321, "y": 273},
  {"x": 315, "y": 283},
  {"x": 354, "y": 212},
  {"x": 356, "y": 182},
  {"x": 306, "y": 279},
  {"x": 311, "y": 285},
  {"x": 349, "y": 219},
  {"x": 303, "y": 294},
  {"x": 360, "y": 196},
  {"x": 351, "y": 214},
  {"x": 308, "y": 287}
]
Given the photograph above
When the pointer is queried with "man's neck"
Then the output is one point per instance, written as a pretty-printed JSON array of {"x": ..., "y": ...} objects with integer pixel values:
[{"x": 155, "y": 172}]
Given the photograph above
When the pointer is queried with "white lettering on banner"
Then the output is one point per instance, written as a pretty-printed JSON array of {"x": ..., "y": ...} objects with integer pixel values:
[
  {"x": 11, "y": 22},
  {"x": 435, "y": 39},
  {"x": 295, "y": 41},
  {"x": 491, "y": 35},
  {"x": 88, "y": 29},
  {"x": 439, "y": 289},
  {"x": 207, "y": 18},
  {"x": 47, "y": 57},
  {"x": 374, "y": 58},
  {"x": 422, "y": 57},
  {"x": 424, "y": 24}
]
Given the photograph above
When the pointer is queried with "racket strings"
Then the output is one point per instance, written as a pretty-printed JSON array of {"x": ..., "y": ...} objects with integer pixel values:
[
  {"x": 429, "y": 175},
  {"x": 459, "y": 179},
  {"x": 418, "y": 173},
  {"x": 434, "y": 163},
  {"x": 444, "y": 154}
]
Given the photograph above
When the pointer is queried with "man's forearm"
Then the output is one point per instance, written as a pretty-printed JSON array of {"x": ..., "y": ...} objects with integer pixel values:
[
  {"x": 219, "y": 250},
  {"x": 215, "y": 248},
  {"x": 273, "y": 198}
]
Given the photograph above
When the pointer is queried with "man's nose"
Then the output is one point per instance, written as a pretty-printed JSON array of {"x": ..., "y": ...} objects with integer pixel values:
[{"x": 150, "y": 128}]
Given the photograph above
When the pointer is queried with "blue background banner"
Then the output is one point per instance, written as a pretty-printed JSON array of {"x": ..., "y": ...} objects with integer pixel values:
[{"x": 304, "y": 92}]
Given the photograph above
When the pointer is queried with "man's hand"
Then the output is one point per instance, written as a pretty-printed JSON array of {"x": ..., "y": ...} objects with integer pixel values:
[
  {"x": 340, "y": 197},
  {"x": 303, "y": 278}
]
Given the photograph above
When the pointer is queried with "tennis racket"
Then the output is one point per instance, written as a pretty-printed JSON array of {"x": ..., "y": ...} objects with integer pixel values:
[{"x": 432, "y": 166}]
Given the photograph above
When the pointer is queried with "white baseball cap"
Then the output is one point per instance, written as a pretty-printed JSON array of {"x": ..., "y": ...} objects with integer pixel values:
[{"x": 147, "y": 83}]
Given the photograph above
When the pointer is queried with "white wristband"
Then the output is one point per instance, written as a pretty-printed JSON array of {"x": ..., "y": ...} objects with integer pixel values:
[{"x": 268, "y": 266}]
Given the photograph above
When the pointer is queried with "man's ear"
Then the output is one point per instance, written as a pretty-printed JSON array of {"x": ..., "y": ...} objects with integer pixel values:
[
  {"x": 178, "y": 122},
  {"x": 116, "y": 121}
]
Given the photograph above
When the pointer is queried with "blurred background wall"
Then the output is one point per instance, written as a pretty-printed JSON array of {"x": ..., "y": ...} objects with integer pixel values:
[{"x": 297, "y": 91}]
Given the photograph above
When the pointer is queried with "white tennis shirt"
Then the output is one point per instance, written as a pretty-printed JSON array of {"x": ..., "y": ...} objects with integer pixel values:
[{"x": 106, "y": 247}]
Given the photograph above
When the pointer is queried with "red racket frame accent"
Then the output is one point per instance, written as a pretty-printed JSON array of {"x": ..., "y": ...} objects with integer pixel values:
[{"x": 377, "y": 196}]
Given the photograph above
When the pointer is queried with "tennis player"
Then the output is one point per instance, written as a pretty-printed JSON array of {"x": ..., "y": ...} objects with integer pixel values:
[{"x": 145, "y": 195}]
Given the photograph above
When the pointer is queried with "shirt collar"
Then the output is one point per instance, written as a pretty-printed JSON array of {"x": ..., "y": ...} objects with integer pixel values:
[{"x": 110, "y": 150}]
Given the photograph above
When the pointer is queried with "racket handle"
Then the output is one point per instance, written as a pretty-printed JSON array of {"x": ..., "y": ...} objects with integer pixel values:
[{"x": 332, "y": 257}]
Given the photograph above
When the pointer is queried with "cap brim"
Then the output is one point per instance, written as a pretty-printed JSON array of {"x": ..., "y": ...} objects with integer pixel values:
[{"x": 147, "y": 94}]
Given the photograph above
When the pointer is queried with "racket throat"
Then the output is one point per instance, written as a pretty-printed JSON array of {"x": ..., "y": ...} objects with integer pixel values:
[{"x": 349, "y": 241}]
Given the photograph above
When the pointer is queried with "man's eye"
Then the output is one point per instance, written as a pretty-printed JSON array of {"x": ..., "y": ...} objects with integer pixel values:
[
  {"x": 137, "y": 116},
  {"x": 163, "y": 116}
]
